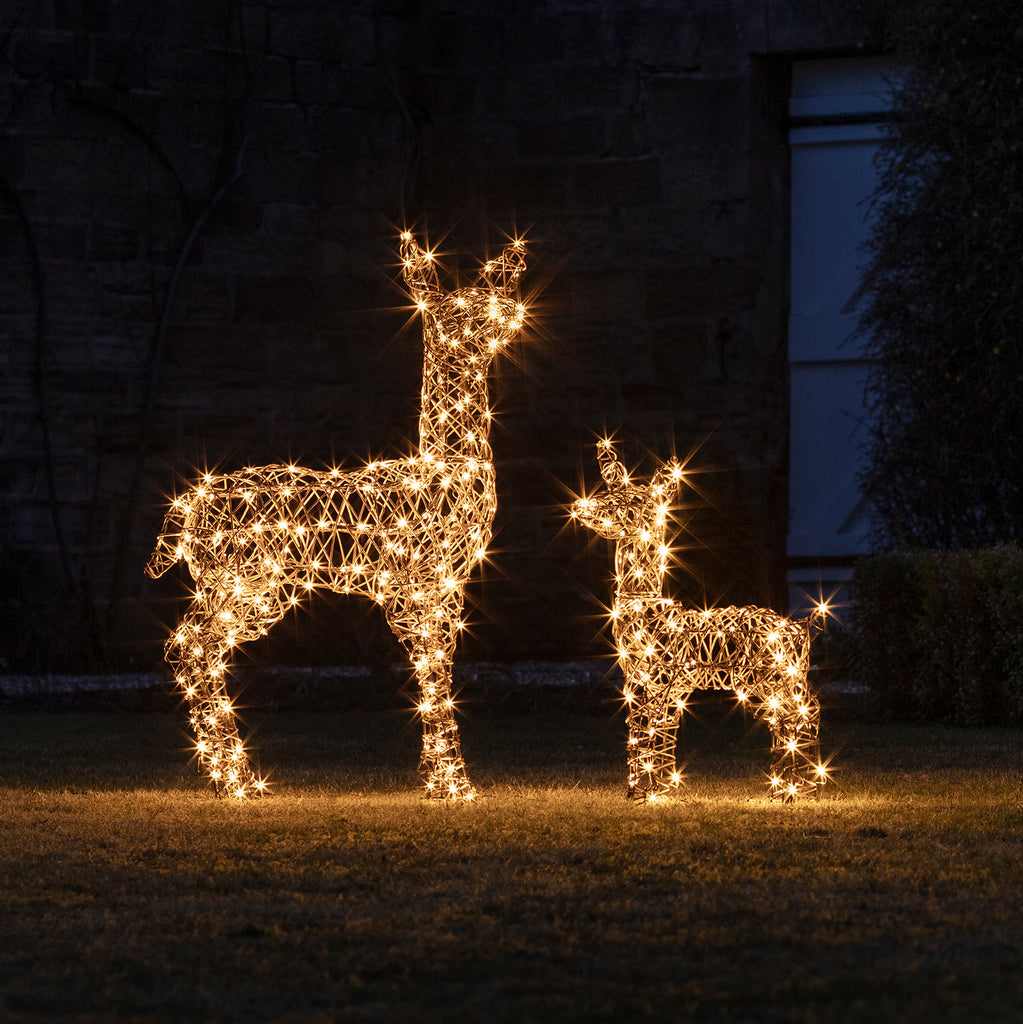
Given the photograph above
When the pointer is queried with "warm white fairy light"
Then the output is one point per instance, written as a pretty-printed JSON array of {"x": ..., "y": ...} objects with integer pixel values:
[
  {"x": 405, "y": 533},
  {"x": 667, "y": 651}
]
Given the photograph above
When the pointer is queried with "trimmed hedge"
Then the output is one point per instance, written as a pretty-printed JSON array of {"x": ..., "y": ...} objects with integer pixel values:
[{"x": 938, "y": 635}]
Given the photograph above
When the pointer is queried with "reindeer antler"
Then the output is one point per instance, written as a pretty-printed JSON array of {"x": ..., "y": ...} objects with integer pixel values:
[
  {"x": 611, "y": 469},
  {"x": 419, "y": 269},
  {"x": 667, "y": 480},
  {"x": 502, "y": 274}
]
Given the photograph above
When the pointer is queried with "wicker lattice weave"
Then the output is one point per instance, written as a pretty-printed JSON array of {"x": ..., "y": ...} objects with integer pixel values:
[
  {"x": 667, "y": 651},
  {"x": 405, "y": 533}
]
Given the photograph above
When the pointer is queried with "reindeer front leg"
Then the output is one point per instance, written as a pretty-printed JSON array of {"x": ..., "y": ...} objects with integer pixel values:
[
  {"x": 653, "y": 733},
  {"x": 441, "y": 765},
  {"x": 427, "y": 631}
]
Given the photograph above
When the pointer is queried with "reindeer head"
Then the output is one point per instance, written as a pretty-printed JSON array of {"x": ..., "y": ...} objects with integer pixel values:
[
  {"x": 476, "y": 321},
  {"x": 626, "y": 509}
]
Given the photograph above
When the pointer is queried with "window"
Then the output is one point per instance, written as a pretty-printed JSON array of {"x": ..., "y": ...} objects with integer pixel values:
[{"x": 837, "y": 109}]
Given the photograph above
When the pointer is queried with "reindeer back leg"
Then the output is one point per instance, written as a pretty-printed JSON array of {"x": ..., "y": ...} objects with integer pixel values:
[
  {"x": 653, "y": 719},
  {"x": 782, "y": 698},
  {"x": 197, "y": 653},
  {"x": 795, "y": 745}
]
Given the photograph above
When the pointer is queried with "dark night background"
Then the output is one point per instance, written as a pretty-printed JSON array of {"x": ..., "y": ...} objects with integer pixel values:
[{"x": 200, "y": 202}]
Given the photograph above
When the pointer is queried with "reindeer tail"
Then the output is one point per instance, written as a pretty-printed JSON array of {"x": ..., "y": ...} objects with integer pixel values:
[
  {"x": 168, "y": 548},
  {"x": 816, "y": 621}
]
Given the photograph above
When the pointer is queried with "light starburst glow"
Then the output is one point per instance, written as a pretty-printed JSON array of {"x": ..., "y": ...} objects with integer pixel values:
[
  {"x": 405, "y": 533},
  {"x": 667, "y": 651}
]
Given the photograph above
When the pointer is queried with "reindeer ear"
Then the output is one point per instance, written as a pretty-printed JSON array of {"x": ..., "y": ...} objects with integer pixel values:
[
  {"x": 502, "y": 274},
  {"x": 418, "y": 268},
  {"x": 611, "y": 469},
  {"x": 668, "y": 479}
]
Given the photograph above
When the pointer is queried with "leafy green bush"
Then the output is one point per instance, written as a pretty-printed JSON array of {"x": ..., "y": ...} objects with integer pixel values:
[
  {"x": 944, "y": 306},
  {"x": 938, "y": 635}
]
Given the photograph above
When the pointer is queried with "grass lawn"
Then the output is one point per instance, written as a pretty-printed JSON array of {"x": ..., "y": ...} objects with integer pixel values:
[{"x": 128, "y": 892}]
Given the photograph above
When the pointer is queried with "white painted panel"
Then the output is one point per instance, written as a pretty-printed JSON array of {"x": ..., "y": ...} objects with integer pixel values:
[
  {"x": 844, "y": 83},
  {"x": 817, "y": 134},
  {"x": 831, "y": 187},
  {"x": 827, "y": 517},
  {"x": 833, "y": 176},
  {"x": 823, "y": 338}
]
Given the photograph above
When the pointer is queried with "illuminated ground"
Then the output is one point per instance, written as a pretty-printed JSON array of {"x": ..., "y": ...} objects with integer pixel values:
[{"x": 128, "y": 893}]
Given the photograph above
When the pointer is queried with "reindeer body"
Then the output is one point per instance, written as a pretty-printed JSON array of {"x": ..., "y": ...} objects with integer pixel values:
[
  {"x": 667, "y": 651},
  {"x": 405, "y": 533}
]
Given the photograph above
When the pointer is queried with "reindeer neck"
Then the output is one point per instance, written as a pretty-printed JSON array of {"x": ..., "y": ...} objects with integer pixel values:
[
  {"x": 454, "y": 419},
  {"x": 640, "y": 564}
]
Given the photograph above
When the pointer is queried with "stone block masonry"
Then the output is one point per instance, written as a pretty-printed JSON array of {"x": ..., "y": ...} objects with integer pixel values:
[{"x": 199, "y": 202}]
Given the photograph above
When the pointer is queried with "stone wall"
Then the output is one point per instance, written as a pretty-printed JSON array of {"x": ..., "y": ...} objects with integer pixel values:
[{"x": 199, "y": 202}]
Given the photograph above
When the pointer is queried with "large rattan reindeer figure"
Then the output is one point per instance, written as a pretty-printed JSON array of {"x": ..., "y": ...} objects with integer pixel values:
[
  {"x": 405, "y": 533},
  {"x": 667, "y": 651}
]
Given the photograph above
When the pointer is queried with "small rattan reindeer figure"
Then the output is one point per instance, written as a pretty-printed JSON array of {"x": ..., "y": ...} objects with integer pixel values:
[
  {"x": 667, "y": 651},
  {"x": 405, "y": 533}
]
